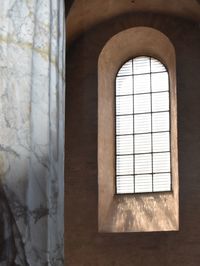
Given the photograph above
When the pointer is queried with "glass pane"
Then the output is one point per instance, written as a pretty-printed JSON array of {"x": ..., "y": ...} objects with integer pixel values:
[
  {"x": 142, "y": 103},
  {"x": 143, "y": 183},
  {"x": 142, "y": 123},
  {"x": 143, "y": 164},
  {"x": 161, "y": 142},
  {"x": 124, "y": 165},
  {"x": 160, "y": 82},
  {"x": 134, "y": 140},
  {"x": 124, "y": 144},
  {"x": 142, "y": 143},
  {"x": 141, "y": 65},
  {"x": 124, "y": 125},
  {"x": 162, "y": 182},
  {"x": 161, "y": 162},
  {"x": 142, "y": 83},
  {"x": 160, "y": 101},
  {"x": 125, "y": 184},
  {"x": 124, "y": 105},
  {"x": 126, "y": 69},
  {"x": 160, "y": 121},
  {"x": 124, "y": 85},
  {"x": 157, "y": 66}
]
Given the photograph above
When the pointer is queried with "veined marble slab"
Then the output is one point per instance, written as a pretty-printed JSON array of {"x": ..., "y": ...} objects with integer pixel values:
[{"x": 32, "y": 106}]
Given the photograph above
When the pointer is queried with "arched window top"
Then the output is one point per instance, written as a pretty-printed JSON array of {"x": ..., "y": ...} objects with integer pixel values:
[
  {"x": 143, "y": 149},
  {"x": 141, "y": 65}
]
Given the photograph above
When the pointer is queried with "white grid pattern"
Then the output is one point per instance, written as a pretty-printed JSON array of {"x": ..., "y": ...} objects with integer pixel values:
[{"x": 142, "y": 127}]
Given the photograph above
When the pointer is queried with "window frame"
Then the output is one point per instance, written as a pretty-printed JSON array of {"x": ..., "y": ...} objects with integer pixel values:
[{"x": 170, "y": 120}]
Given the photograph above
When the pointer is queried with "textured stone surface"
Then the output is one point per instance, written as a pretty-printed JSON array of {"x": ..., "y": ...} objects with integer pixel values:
[
  {"x": 84, "y": 245},
  {"x": 32, "y": 130}
]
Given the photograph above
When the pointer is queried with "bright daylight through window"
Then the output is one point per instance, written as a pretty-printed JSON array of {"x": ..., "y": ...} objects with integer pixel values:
[{"x": 142, "y": 127}]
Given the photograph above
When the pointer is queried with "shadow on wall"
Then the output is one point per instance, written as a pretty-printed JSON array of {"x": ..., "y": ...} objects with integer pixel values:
[{"x": 11, "y": 246}]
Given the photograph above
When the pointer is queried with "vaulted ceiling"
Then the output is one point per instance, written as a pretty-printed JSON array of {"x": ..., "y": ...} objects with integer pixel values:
[{"x": 84, "y": 14}]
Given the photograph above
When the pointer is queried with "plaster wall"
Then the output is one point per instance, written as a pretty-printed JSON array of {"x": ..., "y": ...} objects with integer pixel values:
[{"x": 84, "y": 245}]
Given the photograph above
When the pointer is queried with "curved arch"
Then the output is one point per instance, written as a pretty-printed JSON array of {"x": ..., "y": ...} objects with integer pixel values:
[
  {"x": 131, "y": 43},
  {"x": 141, "y": 55}
]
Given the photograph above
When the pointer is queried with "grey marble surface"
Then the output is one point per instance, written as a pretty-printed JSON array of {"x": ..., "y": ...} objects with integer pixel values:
[{"x": 32, "y": 55}]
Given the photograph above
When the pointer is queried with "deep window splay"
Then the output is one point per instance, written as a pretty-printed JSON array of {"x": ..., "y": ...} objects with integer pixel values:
[{"x": 143, "y": 157}]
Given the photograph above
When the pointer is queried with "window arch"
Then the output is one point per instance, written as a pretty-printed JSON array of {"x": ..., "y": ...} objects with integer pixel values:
[
  {"x": 142, "y": 127},
  {"x": 138, "y": 212}
]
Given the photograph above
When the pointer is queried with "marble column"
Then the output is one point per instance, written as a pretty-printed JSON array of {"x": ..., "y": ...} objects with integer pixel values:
[{"x": 32, "y": 107}]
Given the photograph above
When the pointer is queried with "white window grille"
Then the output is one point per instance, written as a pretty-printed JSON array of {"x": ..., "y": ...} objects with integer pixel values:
[{"x": 143, "y": 156}]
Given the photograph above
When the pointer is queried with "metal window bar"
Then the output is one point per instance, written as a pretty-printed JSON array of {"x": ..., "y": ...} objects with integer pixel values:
[{"x": 149, "y": 149}]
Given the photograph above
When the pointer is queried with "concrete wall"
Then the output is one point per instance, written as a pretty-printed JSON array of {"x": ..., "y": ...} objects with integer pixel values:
[{"x": 84, "y": 246}]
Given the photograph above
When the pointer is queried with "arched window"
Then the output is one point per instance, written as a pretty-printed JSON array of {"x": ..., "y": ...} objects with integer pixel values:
[
  {"x": 142, "y": 127},
  {"x": 137, "y": 133}
]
